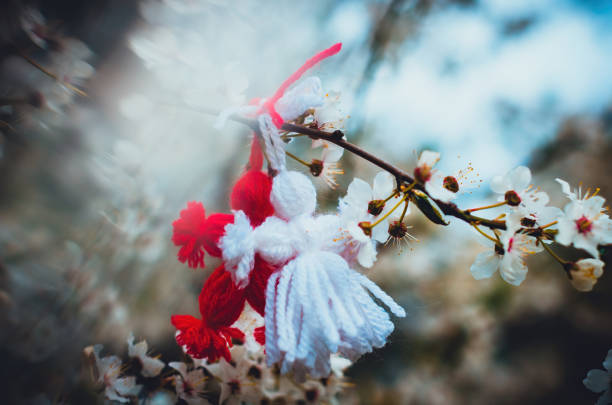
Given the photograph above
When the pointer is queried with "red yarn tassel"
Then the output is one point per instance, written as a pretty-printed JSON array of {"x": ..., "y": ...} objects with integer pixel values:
[
  {"x": 196, "y": 234},
  {"x": 260, "y": 335},
  {"x": 258, "y": 280},
  {"x": 220, "y": 305},
  {"x": 221, "y": 302}
]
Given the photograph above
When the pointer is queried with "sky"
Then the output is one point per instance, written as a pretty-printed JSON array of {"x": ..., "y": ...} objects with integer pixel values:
[{"x": 467, "y": 89}]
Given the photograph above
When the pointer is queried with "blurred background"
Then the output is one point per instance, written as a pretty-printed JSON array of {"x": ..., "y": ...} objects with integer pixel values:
[{"x": 90, "y": 183}]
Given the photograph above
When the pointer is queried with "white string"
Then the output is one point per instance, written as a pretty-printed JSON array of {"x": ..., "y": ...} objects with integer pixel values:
[
  {"x": 228, "y": 112},
  {"x": 275, "y": 147}
]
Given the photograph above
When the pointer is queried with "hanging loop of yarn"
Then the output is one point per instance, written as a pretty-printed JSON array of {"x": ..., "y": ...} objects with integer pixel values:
[
  {"x": 270, "y": 121},
  {"x": 275, "y": 148},
  {"x": 291, "y": 105}
]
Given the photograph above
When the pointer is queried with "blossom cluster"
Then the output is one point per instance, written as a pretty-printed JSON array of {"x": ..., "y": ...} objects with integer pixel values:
[
  {"x": 600, "y": 381},
  {"x": 531, "y": 225},
  {"x": 244, "y": 379},
  {"x": 43, "y": 74}
]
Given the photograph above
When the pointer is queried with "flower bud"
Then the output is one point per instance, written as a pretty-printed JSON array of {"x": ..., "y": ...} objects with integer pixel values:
[
  {"x": 528, "y": 222},
  {"x": 499, "y": 249},
  {"x": 375, "y": 207},
  {"x": 584, "y": 273},
  {"x": 366, "y": 227},
  {"x": 397, "y": 229},
  {"x": 316, "y": 167},
  {"x": 512, "y": 198},
  {"x": 422, "y": 173},
  {"x": 451, "y": 184}
]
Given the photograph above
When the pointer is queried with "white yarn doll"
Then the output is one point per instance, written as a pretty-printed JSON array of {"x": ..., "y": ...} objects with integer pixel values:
[{"x": 316, "y": 305}]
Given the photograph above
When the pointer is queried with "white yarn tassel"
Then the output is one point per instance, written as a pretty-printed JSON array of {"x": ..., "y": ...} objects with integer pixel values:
[
  {"x": 272, "y": 352},
  {"x": 238, "y": 247},
  {"x": 319, "y": 307},
  {"x": 380, "y": 294}
]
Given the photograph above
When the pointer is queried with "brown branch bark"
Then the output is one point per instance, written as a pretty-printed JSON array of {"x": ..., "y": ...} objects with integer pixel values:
[{"x": 402, "y": 177}]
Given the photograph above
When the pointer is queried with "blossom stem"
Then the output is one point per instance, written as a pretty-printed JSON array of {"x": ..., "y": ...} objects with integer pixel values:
[
  {"x": 547, "y": 225},
  {"x": 52, "y": 75},
  {"x": 553, "y": 254},
  {"x": 391, "y": 196},
  {"x": 499, "y": 204},
  {"x": 404, "y": 211},
  {"x": 494, "y": 240},
  {"x": 292, "y": 156}
]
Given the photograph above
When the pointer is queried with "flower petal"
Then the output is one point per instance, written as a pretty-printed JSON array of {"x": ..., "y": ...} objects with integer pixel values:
[
  {"x": 358, "y": 192},
  {"x": 605, "y": 399},
  {"x": 512, "y": 269},
  {"x": 519, "y": 178},
  {"x": 380, "y": 232},
  {"x": 367, "y": 254},
  {"x": 499, "y": 184},
  {"x": 588, "y": 244},
  {"x": 382, "y": 186},
  {"x": 596, "y": 380},
  {"x": 593, "y": 206},
  {"x": 485, "y": 265},
  {"x": 331, "y": 153},
  {"x": 567, "y": 231},
  {"x": 428, "y": 158},
  {"x": 565, "y": 187},
  {"x": 608, "y": 361}
]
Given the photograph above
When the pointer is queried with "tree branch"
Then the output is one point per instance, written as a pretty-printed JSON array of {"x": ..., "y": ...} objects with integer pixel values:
[{"x": 401, "y": 176}]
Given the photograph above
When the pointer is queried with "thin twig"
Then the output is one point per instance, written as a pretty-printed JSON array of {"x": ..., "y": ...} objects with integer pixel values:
[{"x": 401, "y": 176}]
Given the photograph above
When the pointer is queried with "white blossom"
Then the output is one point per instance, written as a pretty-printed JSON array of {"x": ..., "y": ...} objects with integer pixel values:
[
  {"x": 189, "y": 384},
  {"x": 507, "y": 257},
  {"x": 329, "y": 117},
  {"x": 431, "y": 178},
  {"x": 35, "y": 26},
  {"x": 363, "y": 203},
  {"x": 585, "y": 272},
  {"x": 240, "y": 380},
  {"x": 151, "y": 366},
  {"x": 514, "y": 187},
  {"x": 117, "y": 388},
  {"x": 601, "y": 381},
  {"x": 328, "y": 167},
  {"x": 583, "y": 222}
]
